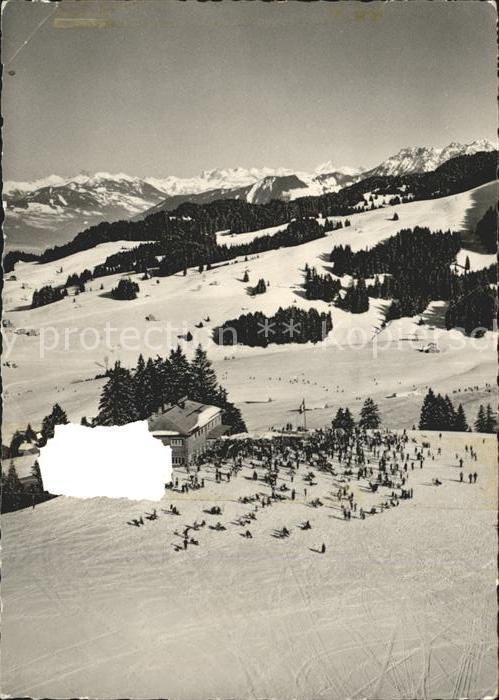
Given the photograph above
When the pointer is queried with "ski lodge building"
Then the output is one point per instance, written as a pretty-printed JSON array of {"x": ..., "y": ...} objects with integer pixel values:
[{"x": 188, "y": 427}]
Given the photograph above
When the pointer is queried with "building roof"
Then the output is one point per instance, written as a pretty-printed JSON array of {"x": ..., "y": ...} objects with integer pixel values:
[
  {"x": 183, "y": 418},
  {"x": 218, "y": 431}
]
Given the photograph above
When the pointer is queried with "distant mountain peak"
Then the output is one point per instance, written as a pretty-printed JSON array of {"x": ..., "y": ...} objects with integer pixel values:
[
  {"x": 330, "y": 167},
  {"x": 55, "y": 208},
  {"x": 421, "y": 159}
]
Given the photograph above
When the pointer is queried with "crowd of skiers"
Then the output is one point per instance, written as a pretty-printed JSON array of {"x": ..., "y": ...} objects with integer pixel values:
[{"x": 285, "y": 467}]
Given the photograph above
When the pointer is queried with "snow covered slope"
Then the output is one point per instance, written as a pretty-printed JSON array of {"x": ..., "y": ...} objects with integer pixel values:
[
  {"x": 407, "y": 599},
  {"x": 169, "y": 307}
]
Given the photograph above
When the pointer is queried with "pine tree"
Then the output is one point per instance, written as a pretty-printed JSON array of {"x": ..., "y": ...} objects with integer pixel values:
[
  {"x": 337, "y": 421},
  {"x": 144, "y": 393},
  {"x": 369, "y": 415},
  {"x": 348, "y": 421},
  {"x": 361, "y": 297},
  {"x": 490, "y": 420},
  {"x": 460, "y": 424},
  {"x": 154, "y": 385},
  {"x": 343, "y": 420},
  {"x": 203, "y": 378},
  {"x": 179, "y": 376},
  {"x": 394, "y": 311},
  {"x": 427, "y": 417},
  {"x": 232, "y": 416},
  {"x": 30, "y": 434},
  {"x": 450, "y": 415},
  {"x": 37, "y": 476},
  {"x": 12, "y": 489},
  {"x": 480, "y": 423},
  {"x": 117, "y": 401},
  {"x": 56, "y": 417},
  {"x": 443, "y": 414},
  {"x": 246, "y": 276}
]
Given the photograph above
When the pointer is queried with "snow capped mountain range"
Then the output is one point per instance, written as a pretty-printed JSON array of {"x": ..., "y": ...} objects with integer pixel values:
[
  {"x": 423, "y": 159},
  {"x": 54, "y": 209}
]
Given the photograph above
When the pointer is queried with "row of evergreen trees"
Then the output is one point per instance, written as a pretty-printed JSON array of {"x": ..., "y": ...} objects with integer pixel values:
[
  {"x": 135, "y": 395},
  {"x": 355, "y": 299},
  {"x": 79, "y": 280},
  {"x": 416, "y": 269},
  {"x": 473, "y": 302},
  {"x": 57, "y": 416},
  {"x": 369, "y": 418},
  {"x": 334, "y": 224},
  {"x": 11, "y": 259},
  {"x": 290, "y": 325},
  {"x": 485, "y": 421},
  {"x": 17, "y": 439},
  {"x": 15, "y": 495},
  {"x": 47, "y": 295},
  {"x": 325, "y": 287},
  {"x": 317, "y": 286},
  {"x": 410, "y": 249},
  {"x": 438, "y": 413}
]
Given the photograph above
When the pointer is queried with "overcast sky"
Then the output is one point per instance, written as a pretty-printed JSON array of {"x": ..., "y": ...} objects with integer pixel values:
[{"x": 172, "y": 88}]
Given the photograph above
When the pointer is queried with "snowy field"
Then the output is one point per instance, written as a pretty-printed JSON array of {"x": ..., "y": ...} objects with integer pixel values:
[
  {"x": 401, "y": 605},
  {"x": 71, "y": 345}
]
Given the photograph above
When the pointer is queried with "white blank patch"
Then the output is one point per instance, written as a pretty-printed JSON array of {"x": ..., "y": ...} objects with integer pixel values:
[{"x": 118, "y": 462}]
